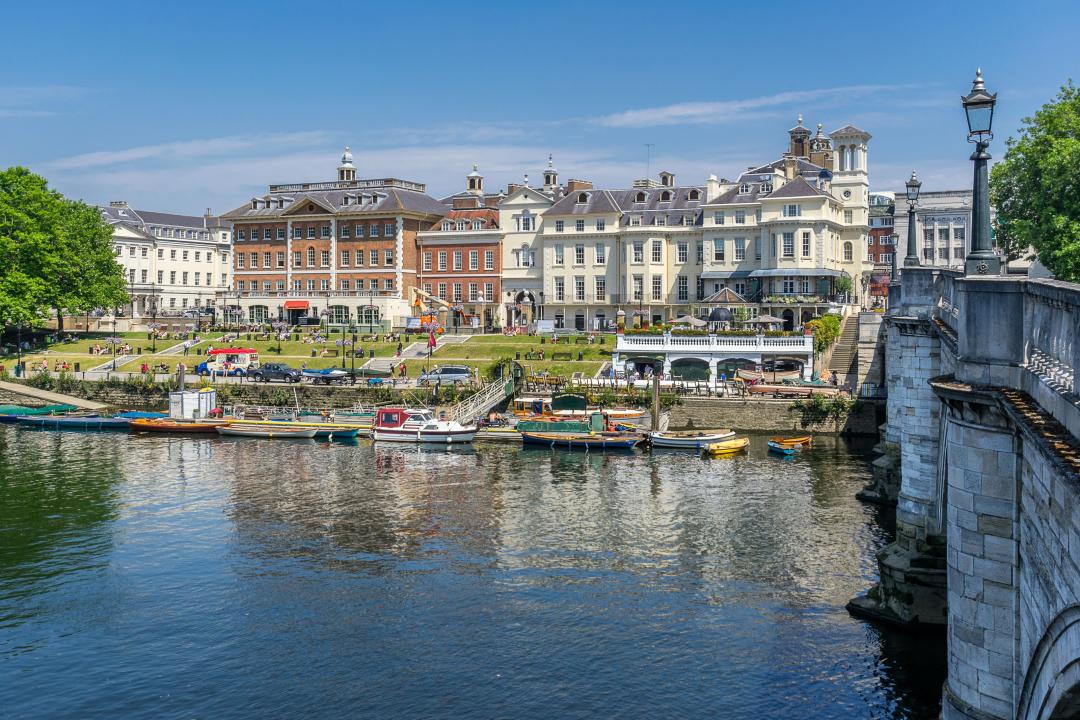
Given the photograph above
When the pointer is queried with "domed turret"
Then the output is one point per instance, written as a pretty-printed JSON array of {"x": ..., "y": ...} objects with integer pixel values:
[{"x": 346, "y": 170}]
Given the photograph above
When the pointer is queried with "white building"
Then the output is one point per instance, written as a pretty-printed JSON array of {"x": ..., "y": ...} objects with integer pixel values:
[
  {"x": 171, "y": 262},
  {"x": 942, "y": 227}
]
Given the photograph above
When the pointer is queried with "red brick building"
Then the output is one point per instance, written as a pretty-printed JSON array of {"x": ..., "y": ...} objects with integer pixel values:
[
  {"x": 461, "y": 264},
  {"x": 881, "y": 243},
  {"x": 346, "y": 248}
]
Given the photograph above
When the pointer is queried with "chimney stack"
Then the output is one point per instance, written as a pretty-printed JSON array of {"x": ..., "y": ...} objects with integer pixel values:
[{"x": 575, "y": 185}]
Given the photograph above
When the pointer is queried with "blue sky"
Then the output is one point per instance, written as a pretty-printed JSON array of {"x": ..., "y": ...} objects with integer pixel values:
[{"x": 183, "y": 106}]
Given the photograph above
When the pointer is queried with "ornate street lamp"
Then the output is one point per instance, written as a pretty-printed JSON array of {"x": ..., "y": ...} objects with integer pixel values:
[
  {"x": 912, "y": 190},
  {"x": 979, "y": 108}
]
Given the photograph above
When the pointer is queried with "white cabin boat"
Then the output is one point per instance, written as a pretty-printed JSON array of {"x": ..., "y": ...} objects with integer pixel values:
[{"x": 418, "y": 426}]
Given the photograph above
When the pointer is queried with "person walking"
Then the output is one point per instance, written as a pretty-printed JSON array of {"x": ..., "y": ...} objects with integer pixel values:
[{"x": 399, "y": 346}]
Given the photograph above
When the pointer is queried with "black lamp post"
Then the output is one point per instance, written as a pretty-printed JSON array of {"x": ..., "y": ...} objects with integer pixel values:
[
  {"x": 153, "y": 326},
  {"x": 979, "y": 108},
  {"x": 912, "y": 187}
]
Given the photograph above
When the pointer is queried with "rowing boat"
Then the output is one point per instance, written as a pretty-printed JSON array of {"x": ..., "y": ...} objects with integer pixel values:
[
  {"x": 693, "y": 439},
  {"x": 583, "y": 441},
  {"x": 161, "y": 425},
  {"x": 726, "y": 447},
  {"x": 269, "y": 433},
  {"x": 800, "y": 441},
  {"x": 775, "y": 447}
]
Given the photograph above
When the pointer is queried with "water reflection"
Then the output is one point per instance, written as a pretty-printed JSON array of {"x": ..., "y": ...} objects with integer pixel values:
[{"x": 346, "y": 580}]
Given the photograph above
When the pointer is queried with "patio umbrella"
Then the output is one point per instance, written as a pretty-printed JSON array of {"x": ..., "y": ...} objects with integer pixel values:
[
  {"x": 765, "y": 320},
  {"x": 690, "y": 320}
]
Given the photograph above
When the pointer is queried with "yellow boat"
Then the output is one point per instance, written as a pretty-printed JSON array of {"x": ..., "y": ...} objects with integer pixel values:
[
  {"x": 726, "y": 447},
  {"x": 800, "y": 441}
]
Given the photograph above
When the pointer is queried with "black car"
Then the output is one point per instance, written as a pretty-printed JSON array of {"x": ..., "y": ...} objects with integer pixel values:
[{"x": 275, "y": 371}]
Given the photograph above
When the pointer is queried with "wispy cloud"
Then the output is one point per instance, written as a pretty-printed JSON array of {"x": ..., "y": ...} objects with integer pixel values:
[
  {"x": 191, "y": 149},
  {"x": 697, "y": 113},
  {"x": 31, "y": 101}
]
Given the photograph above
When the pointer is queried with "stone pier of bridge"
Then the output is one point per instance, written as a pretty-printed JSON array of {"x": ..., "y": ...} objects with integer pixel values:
[{"x": 981, "y": 448}]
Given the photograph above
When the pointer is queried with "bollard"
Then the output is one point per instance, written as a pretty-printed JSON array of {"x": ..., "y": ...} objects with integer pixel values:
[
  {"x": 517, "y": 355},
  {"x": 138, "y": 350},
  {"x": 580, "y": 356},
  {"x": 312, "y": 352},
  {"x": 543, "y": 339},
  {"x": 77, "y": 367},
  {"x": 371, "y": 353}
]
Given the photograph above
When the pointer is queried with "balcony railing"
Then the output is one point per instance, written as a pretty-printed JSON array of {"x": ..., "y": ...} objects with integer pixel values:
[
  {"x": 313, "y": 294},
  {"x": 801, "y": 344}
]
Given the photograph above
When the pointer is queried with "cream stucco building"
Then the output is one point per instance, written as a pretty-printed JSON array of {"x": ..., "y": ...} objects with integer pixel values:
[{"x": 172, "y": 262}]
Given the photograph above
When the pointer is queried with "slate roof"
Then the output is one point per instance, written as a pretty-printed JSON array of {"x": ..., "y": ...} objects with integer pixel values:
[
  {"x": 490, "y": 216},
  {"x": 381, "y": 200},
  {"x": 626, "y": 202},
  {"x": 802, "y": 167},
  {"x": 849, "y": 130},
  {"x": 797, "y": 188},
  {"x": 136, "y": 218}
]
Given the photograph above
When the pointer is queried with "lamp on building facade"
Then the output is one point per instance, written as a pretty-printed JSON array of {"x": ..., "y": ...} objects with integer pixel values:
[
  {"x": 979, "y": 108},
  {"x": 912, "y": 190}
]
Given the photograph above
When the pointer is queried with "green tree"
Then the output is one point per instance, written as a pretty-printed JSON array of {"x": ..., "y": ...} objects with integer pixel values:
[
  {"x": 1035, "y": 187},
  {"x": 55, "y": 253}
]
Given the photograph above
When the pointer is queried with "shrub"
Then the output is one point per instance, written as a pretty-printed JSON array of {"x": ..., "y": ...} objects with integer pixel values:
[{"x": 819, "y": 408}]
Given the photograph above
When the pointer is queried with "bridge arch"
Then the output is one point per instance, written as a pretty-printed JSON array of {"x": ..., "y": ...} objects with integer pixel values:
[
  {"x": 1051, "y": 688},
  {"x": 690, "y": 368}
]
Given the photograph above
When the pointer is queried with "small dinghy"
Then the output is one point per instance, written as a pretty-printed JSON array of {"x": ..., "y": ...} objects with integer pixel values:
[
  {"x": 583, "y": 441},
  {"x": 726, "y": 447},
  {"x": 793, "y": 442},
  {"x": 268, "y": 432},
  {"x": 775, "y": 447},
  {"x": 689, "y": 439},
  {"x": 185, "y": 427}
]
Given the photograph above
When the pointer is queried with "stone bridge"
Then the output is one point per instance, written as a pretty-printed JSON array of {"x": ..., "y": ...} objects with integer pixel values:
[{"x": 981, "y": 455}]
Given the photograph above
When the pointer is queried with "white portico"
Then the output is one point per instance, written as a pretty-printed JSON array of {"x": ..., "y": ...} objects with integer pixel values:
[{"x": 714, "y": 350}]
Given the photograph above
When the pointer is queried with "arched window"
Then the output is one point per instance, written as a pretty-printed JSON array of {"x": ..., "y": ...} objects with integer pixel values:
[
  {"x": 640, "y": 197},
  {"x": 693, "y": 195},
  {"x": 665, "y": 196},
  {"x": 447, "y": 225},
  {"x": 848, "y": 252},
  {"x": 583, "y": 197}
]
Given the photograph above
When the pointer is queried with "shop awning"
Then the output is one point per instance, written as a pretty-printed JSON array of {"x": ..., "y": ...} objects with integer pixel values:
[{"x": 297, "y": 305}]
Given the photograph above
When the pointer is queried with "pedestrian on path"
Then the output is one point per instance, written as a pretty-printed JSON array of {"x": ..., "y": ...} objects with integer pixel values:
[{"x": 399, "y": 346}]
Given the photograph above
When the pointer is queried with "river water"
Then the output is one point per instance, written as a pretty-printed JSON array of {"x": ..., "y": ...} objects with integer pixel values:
[{"x": 166, "y": 577}]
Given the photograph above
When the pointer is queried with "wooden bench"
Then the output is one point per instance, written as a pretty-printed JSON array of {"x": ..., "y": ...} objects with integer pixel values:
[
  {"x": 581, "y": 340},
  {"x": 532, "y": 356},
  {"x": 565, "y": 356}
]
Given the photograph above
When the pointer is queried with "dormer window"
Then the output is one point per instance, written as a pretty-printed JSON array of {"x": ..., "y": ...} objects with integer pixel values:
[
  {"x": 660, "y": 220},
  {"x": 254, "y": 203},
  {"x": 744, "y": 189},
  {"x": 665, "y": 196},
  {"x": 345, "y": 200},
  {"x": 640, "y": 197},
  {"x": 582, "y": 198},
  {"x": 447, "y": 226},
  {"x": 461, "y": 225},
  {"x": 478, "y": 225},
  {"x": 766, "y": 187},
  {"x": 693, "y": 195}
]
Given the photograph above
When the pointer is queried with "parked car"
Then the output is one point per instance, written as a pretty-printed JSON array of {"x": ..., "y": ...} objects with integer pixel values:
[
  {"x": 446, "y": 375},
  {"x": 274, "y": 371}
]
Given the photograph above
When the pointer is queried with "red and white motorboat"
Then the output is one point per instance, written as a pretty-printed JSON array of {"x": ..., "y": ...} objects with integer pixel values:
[{"x": 418, "y": 426}]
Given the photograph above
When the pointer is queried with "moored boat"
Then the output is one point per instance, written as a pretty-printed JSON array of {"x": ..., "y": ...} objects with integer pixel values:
[
  {"x": 692, "y": 439},
  {"x": 583, "y": 441},
  {"x": 164, "y": 425},
  {"x": 269, "y": 432},
  {"x": 775, "y": 447},
  {"x": 418, "y": 426},
  {"x": 75, "y": 422},
  {"x": 799, "y": 441},
  {"x": 726, "y": 447},
  {"x": 325, "y": 376}
]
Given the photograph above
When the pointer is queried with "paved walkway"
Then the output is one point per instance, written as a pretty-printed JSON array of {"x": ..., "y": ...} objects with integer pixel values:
[
  {"x": 50, "y": 398},
  {"x": 415, "y": 351}
]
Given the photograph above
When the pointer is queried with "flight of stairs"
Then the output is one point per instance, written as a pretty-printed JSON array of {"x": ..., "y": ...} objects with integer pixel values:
[{"x": 846, "y": 351}]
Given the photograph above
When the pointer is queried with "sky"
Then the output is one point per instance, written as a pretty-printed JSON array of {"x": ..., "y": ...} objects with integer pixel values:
[{"x": 179, "y": 107}]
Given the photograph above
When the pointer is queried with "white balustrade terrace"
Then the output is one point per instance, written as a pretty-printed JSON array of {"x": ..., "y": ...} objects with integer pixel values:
[{"x": 715, "y": 343}]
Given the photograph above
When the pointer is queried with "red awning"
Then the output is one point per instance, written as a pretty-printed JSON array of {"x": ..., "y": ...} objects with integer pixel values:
[{"x": 296, "y": 305}]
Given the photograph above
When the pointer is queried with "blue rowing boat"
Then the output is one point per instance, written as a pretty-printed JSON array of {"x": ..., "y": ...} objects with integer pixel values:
[{"x": 779, "y": 449}]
